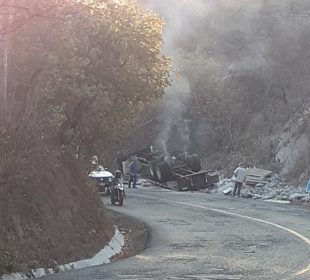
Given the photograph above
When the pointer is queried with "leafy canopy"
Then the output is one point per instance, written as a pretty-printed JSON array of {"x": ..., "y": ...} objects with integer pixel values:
[{"x": 81, "y": 70}]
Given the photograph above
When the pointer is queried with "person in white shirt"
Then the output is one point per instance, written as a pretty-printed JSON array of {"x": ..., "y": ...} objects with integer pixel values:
[{"x": 240, "y": 177}]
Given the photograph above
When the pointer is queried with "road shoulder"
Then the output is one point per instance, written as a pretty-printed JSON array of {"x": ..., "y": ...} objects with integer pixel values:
[{"x": 135, "y": 231}]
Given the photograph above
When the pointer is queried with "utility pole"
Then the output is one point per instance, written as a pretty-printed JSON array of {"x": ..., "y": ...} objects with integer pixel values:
[
  {"x": 5, "y": 20},
  {"x": 5, "y": 77},
  {"x": 4, "y": 68}
]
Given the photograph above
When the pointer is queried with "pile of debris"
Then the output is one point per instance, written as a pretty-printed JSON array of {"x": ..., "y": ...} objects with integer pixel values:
[{"x": 265, "y": 185}]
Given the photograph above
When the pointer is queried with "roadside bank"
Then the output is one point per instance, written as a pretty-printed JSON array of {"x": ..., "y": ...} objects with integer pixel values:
[
  {"x": 136, "y": 234},
  {"x": 130, "y": 238}
]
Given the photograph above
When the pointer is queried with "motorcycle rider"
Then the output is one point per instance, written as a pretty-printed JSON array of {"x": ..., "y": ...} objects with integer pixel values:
[{"x": 118, "y": 179}]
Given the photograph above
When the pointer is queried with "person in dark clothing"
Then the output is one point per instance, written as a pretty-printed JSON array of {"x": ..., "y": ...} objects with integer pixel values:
[
  {"x": 308, "y": 189},
  {"x": 133, "y": 169},
  {"x": 118, "y": 179},
  {"x": 119, "y": 161}
]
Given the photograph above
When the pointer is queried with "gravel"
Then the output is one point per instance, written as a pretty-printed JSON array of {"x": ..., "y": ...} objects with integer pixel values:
[{"x": 275, "y": 190}]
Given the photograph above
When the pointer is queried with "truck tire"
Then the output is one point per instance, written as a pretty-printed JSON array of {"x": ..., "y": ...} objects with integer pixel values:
[
  {"x": 152, "y": 171},
  {"x": 182, "y": 157},
  {"x": 163, "y": 172},
  {"x": 194, "y": 163}
]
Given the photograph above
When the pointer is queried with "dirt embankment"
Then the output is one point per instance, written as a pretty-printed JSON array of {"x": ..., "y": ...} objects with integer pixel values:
[
  {"x": 136, "y": 234},
  {"x": 48, "y": 213}
]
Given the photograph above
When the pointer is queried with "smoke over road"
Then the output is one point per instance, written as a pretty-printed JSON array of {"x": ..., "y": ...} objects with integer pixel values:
[
  {"x": 254, "y": 53},
  {"x": 189, "y": 38},
  {"x": 175, "y": 127},
  {"x": 171, "y": 116}
]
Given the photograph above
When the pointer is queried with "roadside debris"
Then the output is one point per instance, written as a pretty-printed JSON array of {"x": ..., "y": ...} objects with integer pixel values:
[
  {"x": 228, "y": 190},
  {"x": 265, "y": 185},
  {"x": 146, "y": 183},
  {"x": 258, "y": 176},
  {"x": 278, "y": 201}
]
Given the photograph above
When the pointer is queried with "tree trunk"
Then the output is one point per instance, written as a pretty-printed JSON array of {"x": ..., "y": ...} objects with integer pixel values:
[{"x": 4, "y": 70}]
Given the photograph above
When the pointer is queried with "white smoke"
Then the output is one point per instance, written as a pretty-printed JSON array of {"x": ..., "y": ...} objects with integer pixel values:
[
  {"x": 212, "y": 41},
  {"x": 171, "y": 111}
]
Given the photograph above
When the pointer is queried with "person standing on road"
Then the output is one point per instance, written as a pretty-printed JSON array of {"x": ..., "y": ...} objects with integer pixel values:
[
  {"x": 308, "y": 189},
  {"x": 240, "y": 176},
  {"x": 133, "y": 170},
  {"x": 119, "y": 161}
]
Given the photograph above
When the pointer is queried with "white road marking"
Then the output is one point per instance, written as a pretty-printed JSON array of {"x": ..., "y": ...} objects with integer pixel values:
[{"x": 290, "y": 231}]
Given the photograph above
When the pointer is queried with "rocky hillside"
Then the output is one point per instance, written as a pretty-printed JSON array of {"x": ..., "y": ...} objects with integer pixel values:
[
  {"x": 292, "y": 146},
  {"x": 240, "y": 86}
]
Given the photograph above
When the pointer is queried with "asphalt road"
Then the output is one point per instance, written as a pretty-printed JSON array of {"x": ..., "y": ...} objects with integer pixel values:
[{"x": 201, "y": 236}]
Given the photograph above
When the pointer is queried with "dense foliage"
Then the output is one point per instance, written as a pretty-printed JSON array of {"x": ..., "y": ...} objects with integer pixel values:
[
  {"x": 74, "y": 75},
  {"x": 82, "y": 69}
]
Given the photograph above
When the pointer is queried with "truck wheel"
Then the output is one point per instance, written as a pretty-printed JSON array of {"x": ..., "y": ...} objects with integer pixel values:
[
  {"x": 194, "y": 163},
  {"x": 183, "y": 184},
  {"x": 182, "y": 157},
  {"x": 163, "y": 172},
  {"x": 159, "y": 172},
  {"x": 152, "y": 171}
]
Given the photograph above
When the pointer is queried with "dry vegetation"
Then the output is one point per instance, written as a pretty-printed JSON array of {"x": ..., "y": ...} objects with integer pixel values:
[
  {"x": 246, "y": 66},
  {"x": 70, "y": 74}
]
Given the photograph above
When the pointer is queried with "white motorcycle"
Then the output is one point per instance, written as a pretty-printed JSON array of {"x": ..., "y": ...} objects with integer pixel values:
[{"x": 104, "y": 179}]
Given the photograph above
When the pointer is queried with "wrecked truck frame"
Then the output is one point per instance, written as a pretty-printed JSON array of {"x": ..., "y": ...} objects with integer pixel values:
[{"x": 177, "y": 171}]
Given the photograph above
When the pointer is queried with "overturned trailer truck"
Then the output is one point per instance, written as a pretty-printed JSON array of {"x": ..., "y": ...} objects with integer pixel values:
[{"x": 179, "y": 171}]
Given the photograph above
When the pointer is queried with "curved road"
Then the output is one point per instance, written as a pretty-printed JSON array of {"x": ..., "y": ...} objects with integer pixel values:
[{"x": 201, "y": 236}]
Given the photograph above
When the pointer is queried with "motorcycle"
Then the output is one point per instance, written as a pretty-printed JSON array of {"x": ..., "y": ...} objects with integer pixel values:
[
  {"x": 104, "y": 186},
  {"x": 104, "y": 179},
  {"x": 117, "y": 194}
]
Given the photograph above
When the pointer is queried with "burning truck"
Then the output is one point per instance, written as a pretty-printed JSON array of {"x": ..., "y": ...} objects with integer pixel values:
[
  {"x": 166, "y": 166},
  {"x": 178, "y": 170}
]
